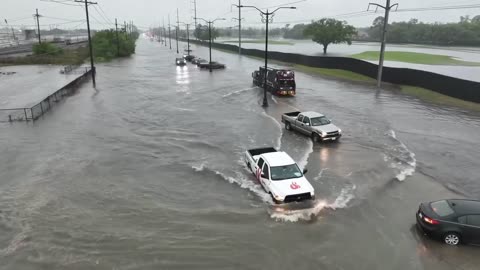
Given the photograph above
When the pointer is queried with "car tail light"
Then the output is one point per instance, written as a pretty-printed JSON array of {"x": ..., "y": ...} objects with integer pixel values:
[{"x": 431, "y": 221}]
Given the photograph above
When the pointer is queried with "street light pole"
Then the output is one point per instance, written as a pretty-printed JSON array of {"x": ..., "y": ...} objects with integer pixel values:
[
  {"x": 188, "y": 36},
  {"x": 267, "y": 18},
  {"x": 210, "y": 37},
  {"x": 176, "y": 31}
]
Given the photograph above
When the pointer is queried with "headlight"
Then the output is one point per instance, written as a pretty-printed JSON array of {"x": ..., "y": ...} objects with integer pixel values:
[
  {"x": 339, "y": 131},
  {"x": 278, "y": 198},
  {"x": 324, "y": 134}
]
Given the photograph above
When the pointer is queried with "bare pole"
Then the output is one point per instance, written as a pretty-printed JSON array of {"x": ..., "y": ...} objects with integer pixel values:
[
  {"x": 92, "y": 66},
  {"x": 195, "y": 14},
  {"x": 38, "y": 26},
  {"x": 176, "y": 31},
  {"x": 118, "y": 40},
  {"x": 169, "y": 33},
  {"x": 387, "y": 8},
  {"x": 164, "y": 33}
]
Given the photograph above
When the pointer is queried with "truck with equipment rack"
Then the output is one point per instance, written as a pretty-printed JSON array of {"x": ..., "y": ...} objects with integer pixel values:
[
  {"x": 279, "y": 175},
  {"x": 280, "y": 82}
]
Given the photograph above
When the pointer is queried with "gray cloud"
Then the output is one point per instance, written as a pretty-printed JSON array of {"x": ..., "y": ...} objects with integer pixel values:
[{"x": 147, "y": 13}]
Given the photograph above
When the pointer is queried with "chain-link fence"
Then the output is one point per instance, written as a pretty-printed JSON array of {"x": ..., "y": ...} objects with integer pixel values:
[{"x": 39, "y": 109}]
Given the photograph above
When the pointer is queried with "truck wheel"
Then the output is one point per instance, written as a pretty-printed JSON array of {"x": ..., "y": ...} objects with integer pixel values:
[
  {"x": 288, "y": 126},
  {"x": 316, "y": 138}
]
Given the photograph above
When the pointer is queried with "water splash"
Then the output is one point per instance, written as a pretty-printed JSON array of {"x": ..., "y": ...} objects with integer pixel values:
[
  {"x": 401, "y": 159},
  {"x": 283, "y": 213},
  {"x": 278, "y": 143},
  {"x": 238, "y": 92}
]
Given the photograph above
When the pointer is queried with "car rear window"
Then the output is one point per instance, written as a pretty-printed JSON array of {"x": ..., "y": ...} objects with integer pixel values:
[{"x": 442, "y": 208}]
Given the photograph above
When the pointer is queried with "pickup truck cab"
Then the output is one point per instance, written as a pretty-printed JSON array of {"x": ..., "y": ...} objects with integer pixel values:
[
  {"x": 279, "y": 175},
  {"x": 312, "y": 124}
]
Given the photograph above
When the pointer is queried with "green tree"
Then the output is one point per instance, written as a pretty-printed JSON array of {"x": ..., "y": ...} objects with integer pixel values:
[
  {"x": 105, "y": 44},
  {"x": 46, "y": 48},
  {"x": 202, "y": 32},
  {"x": 328, "y": 31},
  {"x": 296, "y": 32}
]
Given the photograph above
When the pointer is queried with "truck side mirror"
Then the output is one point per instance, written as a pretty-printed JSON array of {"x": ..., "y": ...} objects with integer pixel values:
[{"x": 305, "y": 171}]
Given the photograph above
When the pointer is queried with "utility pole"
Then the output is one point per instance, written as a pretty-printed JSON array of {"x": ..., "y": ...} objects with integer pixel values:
[
  {"x": 164, "y": 33},
  {"x": 387, "y": 8},
  {"x": 195, "y": 14},
  {"x": 169, "y": 33},
  {"x": 239, "y": 6},
  {"x": 176, "y": 31},
  {"x": 118, "y": 40},
  {"x": 92, "y": 66},
  {"x": 38, "y": 26},
  {"x": 266, "y": 20}
]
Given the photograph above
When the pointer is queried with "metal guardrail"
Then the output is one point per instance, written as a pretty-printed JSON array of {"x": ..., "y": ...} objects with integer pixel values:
[{"x": 39, "y": 109}]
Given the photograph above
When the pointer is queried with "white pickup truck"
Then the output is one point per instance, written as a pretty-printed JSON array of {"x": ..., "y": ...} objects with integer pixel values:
[{"x": 279, "y": 175}]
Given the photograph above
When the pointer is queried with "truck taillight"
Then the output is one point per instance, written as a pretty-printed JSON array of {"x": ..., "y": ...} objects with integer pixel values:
[{"x": 431, "y": 221}]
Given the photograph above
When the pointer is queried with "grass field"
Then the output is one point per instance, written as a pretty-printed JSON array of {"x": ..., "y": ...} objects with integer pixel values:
[
  {"x": 415, "y": 58},
  {"x": 336, "y": 73},
  {"x": 261, "y": 41}
]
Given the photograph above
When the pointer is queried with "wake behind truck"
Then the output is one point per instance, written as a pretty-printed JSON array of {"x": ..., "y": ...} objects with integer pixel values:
[{"x": 280, "y": 82}]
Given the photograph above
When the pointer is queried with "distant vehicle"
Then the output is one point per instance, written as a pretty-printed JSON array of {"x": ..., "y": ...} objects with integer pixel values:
[
  {"x": 214, "y": 65},
  {"x": 453, "y": 221},
  {"x": 198, "y": 60},
  {"x": 279, "y": 175},
  {"x": 180, "y": 62},
  {"x": 280, "y": 82},
  {"x": 312, "y": 124},
  {"x": 189, "y": 58}
]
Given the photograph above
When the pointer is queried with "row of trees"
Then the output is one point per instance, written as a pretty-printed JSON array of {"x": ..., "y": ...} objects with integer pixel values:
[
  {"x": 464, "y": 33},
  {"x": 105, "y": 47}
]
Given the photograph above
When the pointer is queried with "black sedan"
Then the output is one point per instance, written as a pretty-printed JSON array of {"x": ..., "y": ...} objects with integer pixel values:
[
  {"x": 212, "y": 65},
  {"x": 452, "y": 221},
  {"x": 189, "y": 58}
]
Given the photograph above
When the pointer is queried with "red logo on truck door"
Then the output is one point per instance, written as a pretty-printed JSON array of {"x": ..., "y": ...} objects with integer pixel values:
[{"x": 294, "y": 185}]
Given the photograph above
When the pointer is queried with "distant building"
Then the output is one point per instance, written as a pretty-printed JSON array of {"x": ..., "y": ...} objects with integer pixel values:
[{"x": 29, "y": 34}]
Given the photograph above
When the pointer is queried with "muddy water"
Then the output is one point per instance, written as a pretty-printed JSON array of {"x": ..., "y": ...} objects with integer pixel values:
[{"x": 146, "y": 172}]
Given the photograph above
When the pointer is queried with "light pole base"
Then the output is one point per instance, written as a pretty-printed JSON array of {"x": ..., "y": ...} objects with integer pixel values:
[{"x": 265, "y": 103}]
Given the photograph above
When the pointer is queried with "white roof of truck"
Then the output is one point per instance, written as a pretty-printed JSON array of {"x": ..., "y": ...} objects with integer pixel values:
[
  {"x": 312, "y": 114},
  {"x": 276, "y": 159}
]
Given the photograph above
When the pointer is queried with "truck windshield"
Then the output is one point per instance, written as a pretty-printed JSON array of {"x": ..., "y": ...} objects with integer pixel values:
[
  {"x": 285, "y": 172},
  {"x": 286, "y": 83},
  {"x": 320, "y": 121}
]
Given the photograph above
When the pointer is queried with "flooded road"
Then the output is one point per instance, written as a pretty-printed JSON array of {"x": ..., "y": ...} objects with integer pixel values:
[{"x": 146, "y": 172}]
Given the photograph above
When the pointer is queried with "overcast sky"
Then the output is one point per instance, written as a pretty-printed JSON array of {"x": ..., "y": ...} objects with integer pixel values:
[{"x": 146, "y": 13}]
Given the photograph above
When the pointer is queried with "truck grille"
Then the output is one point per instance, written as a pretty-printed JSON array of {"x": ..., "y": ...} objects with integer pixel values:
[
  {"x": 332, "y": 134},
  {"x": 298, "y": 197}
]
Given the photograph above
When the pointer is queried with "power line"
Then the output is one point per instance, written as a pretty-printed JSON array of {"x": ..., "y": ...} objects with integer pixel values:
[{"x": 65, "y": 2}]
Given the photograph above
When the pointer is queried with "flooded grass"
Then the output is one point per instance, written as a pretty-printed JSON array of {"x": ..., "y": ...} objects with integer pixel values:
[
  {"x": 68, "y": 57},
  {"x": 262, "y": 41},
  {"x": 437, "y": 98},
  {"x": 415, "y": 58}
]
